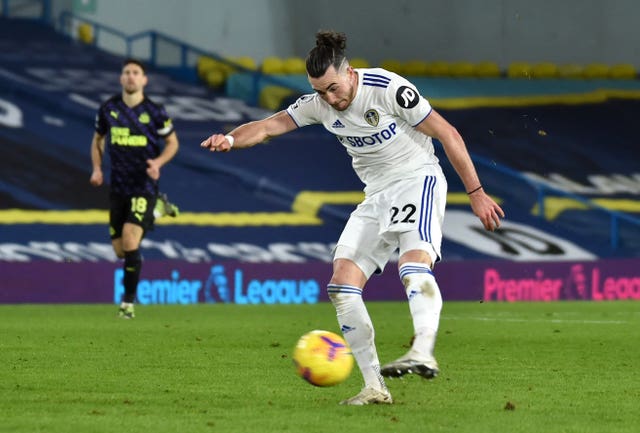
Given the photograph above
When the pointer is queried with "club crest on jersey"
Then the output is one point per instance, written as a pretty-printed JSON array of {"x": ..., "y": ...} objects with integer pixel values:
[
  {"x": 372, "y": 117},
  {"x": 144, "y": 118}
]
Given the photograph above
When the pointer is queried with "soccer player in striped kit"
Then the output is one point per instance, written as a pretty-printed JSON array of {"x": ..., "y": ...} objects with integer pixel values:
[
  {"x": 136, "y": 127},
  {"x": 386, "y": 127}
]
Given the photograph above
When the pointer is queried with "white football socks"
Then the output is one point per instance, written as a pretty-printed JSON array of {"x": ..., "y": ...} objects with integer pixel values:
[
  {"x": 358, "y": 332},
  {"x": 425, "y": 304}
]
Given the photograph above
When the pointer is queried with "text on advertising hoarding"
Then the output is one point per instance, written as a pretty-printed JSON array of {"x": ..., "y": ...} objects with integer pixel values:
[{"x": 580, "y": 283}]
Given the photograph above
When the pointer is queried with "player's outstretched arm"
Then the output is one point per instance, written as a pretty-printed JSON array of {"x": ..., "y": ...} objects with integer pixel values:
[
  {"x": 251, "y": 133},
  {"x": 483, "y": 206}
]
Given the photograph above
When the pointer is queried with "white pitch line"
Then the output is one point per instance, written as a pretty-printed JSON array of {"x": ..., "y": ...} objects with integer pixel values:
[{"x": 502, "y": 319}]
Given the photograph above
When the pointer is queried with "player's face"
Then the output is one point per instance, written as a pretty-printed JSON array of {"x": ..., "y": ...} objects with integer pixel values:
[
  {"x": 336, "y": 88},
  {"x": 133, "y": 78}
]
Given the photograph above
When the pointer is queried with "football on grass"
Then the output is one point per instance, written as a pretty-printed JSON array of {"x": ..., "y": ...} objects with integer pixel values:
[{"x": 322, "y": 358}]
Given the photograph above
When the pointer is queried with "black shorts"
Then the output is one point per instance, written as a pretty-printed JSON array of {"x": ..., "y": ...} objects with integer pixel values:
[{"x": 136, "y": 210}]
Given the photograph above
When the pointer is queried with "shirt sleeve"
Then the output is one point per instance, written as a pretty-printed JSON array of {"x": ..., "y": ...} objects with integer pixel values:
[
  {"x": 406, "y": 102},
  {"x": 305, "y": 110},
  {"x": 164, "y": 122},
  {"x": 100, "y": 123}
]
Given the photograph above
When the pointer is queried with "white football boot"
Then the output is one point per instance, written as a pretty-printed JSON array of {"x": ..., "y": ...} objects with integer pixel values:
[
  {"x": 369, "y": 396},
  {"x": 411, "y": 363}
]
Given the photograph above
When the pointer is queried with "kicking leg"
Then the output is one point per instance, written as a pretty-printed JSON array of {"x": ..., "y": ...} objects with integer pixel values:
[{"x": 425, "y": 304}]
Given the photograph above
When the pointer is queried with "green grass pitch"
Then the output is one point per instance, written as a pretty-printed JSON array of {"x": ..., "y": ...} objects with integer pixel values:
[{"x": 525, "y": 367}]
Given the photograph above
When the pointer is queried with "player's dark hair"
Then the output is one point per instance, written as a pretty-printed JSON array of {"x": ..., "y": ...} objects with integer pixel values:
[
  {"x": 132, "y": 61},
  {"x": 329, "y": 50}
]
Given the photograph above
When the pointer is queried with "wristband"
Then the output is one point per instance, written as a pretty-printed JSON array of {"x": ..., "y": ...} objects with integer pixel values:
[
  {"x": 477, "y": 189},
  {"x": 230, "y": 139}
]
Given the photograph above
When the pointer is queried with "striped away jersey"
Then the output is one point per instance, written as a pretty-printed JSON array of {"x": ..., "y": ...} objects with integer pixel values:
[
  {"x": 377, "y": 129},
  {"x": 134, "y": 137}
]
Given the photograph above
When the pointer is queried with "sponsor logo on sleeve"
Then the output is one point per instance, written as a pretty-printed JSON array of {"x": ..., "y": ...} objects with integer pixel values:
[{"x": 407, "y": 97}]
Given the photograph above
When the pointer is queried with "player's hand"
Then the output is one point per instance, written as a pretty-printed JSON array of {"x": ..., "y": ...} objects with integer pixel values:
[
  {"x": 485, "y": 208},
  {"x": 96, "y": 178},
  {"x": 153, "y": 169},
  {"x": 216, "y": 143}
]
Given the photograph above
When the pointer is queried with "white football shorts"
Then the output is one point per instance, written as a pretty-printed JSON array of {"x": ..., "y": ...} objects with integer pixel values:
[{"x": 408, "y": 215}]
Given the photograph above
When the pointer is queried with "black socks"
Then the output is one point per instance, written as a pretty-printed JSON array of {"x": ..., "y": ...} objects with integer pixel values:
[{"x": 132, "y": 266}]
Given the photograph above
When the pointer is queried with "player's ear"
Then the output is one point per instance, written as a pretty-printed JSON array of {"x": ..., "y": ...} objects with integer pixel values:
[{"x": 349, "y": 70}]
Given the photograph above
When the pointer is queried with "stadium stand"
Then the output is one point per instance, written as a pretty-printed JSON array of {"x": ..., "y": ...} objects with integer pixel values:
[{"x": 540, "y": 150}]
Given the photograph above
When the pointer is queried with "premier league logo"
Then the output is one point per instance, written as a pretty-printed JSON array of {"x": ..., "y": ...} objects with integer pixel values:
[
  {"x": 216, "y": 288},
  {"x": 372, "y": 117}
]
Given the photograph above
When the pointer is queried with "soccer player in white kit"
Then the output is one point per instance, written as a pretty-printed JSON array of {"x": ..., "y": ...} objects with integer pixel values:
[{"x": 386, "y": 127}]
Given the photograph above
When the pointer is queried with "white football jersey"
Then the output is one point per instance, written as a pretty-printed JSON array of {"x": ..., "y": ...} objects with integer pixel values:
[{"x": 377, "y": 129}]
